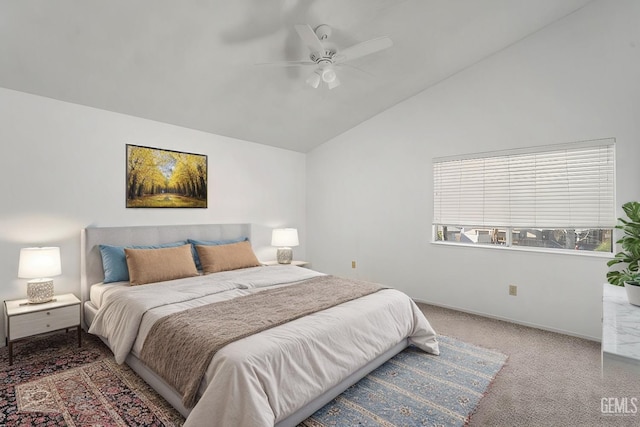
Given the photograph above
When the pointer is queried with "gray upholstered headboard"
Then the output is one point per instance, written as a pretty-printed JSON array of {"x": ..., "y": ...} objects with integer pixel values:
[{"x": 91, "y": 260}]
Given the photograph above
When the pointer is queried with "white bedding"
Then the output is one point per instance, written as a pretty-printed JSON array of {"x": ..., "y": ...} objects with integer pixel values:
[
  {"x": 98, "y": 290},
  {"x": 262, "y": 379}
]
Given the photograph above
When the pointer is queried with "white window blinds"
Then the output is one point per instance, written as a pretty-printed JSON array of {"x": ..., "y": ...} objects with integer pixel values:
[{"x": 562, "y": 186}]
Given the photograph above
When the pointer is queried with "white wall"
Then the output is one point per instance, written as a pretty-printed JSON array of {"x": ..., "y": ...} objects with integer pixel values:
[
  {"x": 62, "y": 168},
  {"x": 369, "y": 191}
]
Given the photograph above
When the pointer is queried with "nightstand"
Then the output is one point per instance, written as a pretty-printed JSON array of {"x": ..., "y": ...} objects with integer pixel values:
[
  {"x": 296, "y": 263},
  {"x": 23, "y": 320}
]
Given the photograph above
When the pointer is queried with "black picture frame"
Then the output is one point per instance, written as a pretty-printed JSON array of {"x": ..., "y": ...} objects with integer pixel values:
[{"x": 161, "y": 178}]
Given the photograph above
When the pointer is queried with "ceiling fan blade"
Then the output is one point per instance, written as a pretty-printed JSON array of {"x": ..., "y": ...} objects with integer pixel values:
[
  {"x": 309, "y": 38},
  {"x": 364, "y": 48},
  {"x": 287, "y": 63}
]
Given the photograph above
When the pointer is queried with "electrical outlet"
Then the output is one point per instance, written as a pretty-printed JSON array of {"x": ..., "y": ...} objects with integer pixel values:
[
  {"x": 353, "y": 264},
  {"x": 513, "y": 290}
]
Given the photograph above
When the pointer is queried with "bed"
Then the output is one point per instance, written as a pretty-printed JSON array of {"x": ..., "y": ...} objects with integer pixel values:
[{"x": 277, "y": 376}]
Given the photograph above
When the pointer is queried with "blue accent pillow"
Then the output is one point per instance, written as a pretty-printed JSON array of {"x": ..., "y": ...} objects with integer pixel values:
[
  {"x": 194, "y": 242},
  {"x": 114, "y": 262}
]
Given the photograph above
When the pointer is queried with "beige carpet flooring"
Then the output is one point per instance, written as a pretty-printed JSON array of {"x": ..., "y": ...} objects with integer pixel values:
[{"x": 549, "y": 379}]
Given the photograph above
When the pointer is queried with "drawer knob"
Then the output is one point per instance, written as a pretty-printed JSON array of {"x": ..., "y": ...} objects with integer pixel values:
[
  {"x": 48, "y": 325},
  {"x": 48, "y": 313}
]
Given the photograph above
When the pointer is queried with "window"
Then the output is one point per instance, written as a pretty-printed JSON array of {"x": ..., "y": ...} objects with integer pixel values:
[{"x": 554, "y": 197}]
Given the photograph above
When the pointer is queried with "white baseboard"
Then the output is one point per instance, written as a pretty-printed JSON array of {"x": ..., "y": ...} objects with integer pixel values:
[{"x": 506, "y": 319}]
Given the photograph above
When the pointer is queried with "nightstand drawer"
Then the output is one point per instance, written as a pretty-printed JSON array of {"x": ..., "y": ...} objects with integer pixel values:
[{"x": 39, "y": 322}]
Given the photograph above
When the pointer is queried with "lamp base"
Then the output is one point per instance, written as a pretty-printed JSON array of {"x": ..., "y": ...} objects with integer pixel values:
[
  {"x": 284, "y": 255},
  {"x": 39, "y": 291}
]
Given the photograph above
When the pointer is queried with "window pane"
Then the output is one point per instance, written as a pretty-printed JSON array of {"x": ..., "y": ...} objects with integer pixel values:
[
  {"x": 562, "y": 238},
  {"x": 539, "y": 238},
  {"x": 594, "y": 240},
  {"x": 471, "y": 235}
]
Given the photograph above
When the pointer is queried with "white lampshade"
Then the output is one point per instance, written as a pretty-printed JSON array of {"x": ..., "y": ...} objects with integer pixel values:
[
  {"x": 39, "y": 263},
  {"x": 285, "y": 237}
]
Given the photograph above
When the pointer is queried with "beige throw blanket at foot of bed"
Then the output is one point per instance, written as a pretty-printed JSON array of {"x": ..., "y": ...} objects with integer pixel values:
[{"x": 179, "y": 347}]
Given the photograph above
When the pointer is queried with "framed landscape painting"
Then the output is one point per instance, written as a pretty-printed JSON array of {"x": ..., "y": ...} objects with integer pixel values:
[{"x": 158, "y": 178}]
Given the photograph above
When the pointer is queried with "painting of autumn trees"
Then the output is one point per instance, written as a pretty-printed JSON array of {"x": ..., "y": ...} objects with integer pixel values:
[{"x": 159, "y": 178}]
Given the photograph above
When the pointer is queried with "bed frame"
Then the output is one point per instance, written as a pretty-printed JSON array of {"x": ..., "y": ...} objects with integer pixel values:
[{"x": 92, "y": 272}]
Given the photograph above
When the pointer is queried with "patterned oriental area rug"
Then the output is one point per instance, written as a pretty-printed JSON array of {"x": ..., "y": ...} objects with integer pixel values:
[{"x": 53, "y": 383}]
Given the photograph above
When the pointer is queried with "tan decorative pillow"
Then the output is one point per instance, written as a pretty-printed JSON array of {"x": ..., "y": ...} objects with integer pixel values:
[
  {"x": 226, "y": 257},
  {"x": 158, "y": 265}
]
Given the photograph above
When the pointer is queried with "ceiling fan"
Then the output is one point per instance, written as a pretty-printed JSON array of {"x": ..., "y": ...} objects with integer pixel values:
[{"x": 326, "y": 57}]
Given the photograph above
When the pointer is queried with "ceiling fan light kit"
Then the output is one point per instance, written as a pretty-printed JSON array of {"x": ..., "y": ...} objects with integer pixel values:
[
  {"x": 328, "y": 75},
  {"x": 323, "y": 31},
  {"x": 314, "y": 79},
  {"x": 325, "y": 58}
]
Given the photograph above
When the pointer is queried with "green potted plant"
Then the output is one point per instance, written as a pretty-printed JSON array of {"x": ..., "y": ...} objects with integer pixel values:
[{"x": 629, "y": 275}]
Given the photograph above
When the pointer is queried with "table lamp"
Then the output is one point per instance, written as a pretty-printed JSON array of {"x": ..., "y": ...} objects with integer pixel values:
[
  {"x": 284, "y": 238},
  {"x": 39, "y": 264}
]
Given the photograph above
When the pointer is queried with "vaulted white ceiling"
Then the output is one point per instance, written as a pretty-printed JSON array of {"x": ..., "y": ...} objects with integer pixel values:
[{"x": 199, "y": 63}]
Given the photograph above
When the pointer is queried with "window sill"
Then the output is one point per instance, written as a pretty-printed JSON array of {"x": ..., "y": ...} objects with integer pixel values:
[{"x": 592, "y": 254}]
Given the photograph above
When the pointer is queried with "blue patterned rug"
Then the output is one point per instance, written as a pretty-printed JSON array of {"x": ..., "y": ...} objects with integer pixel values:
[{"x": 417, "y": 389}]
